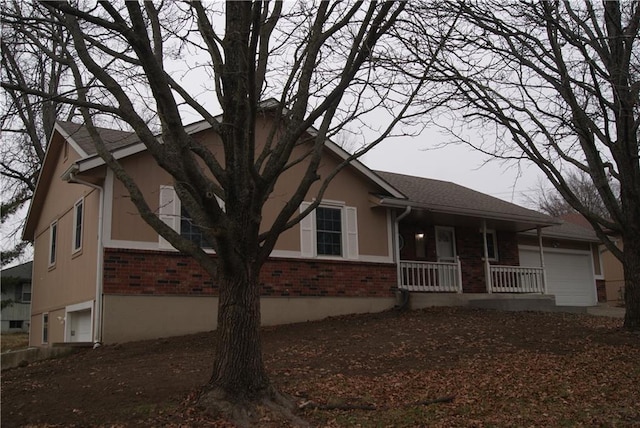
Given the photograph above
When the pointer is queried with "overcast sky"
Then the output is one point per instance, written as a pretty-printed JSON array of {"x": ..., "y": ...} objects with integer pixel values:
[{"x": 455, "y": 163}]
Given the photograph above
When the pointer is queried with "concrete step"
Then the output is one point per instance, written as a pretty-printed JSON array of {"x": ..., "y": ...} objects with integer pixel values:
[{"x": 529, "y": 303}]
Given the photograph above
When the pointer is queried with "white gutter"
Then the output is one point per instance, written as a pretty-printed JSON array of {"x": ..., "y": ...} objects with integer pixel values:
[
  {"x": 396, "y": 227},
  {"x": 70, "y": 177}
]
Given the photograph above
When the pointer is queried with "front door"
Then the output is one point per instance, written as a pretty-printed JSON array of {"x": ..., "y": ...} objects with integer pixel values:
[
  {"x": 446, "y": 252},
  {"x": 80, "y": 328},
  {"x": 445, "y": 244}
]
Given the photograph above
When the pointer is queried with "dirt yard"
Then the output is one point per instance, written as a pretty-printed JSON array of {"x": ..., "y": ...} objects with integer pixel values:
[{"x": 493, "y": 368}]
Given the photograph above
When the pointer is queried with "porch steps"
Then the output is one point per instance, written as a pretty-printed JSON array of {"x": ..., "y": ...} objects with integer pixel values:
[
  {"x": 497, "y": 301},
  {"x": 533, "y": 303}
]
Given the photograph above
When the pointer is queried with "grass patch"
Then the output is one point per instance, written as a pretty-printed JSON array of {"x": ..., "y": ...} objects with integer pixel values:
[{"x": 14, "y": 341}]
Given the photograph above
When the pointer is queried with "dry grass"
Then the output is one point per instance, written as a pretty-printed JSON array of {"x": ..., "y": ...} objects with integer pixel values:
[{"x": 14, "y": 341}]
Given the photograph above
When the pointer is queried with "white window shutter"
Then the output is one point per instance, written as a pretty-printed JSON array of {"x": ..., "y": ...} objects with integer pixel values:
[
  {"x": 352, "y": 232},
  {"x": 168, "y": 212},
  {"x": 307, "y": 233}
]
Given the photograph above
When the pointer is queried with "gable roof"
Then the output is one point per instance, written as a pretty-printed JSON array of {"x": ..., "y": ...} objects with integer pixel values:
[
  {"x": 449, "y": 198},
  {"x": 124, "y": 143},
  {"x": 77, "y": 134},
  {"x": 569, "y": 230}
]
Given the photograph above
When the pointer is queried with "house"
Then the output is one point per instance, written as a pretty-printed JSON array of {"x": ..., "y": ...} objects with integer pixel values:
[
  {"x": 611, "y": 283},
  {"x": 16, "y": 298},
  {"x": 101, "y": 274}
]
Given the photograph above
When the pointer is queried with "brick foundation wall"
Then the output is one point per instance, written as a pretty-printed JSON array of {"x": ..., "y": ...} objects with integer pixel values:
[{"x": 168, "y": 273}]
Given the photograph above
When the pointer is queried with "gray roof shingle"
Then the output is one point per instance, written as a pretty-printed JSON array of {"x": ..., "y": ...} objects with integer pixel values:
[
  {"x": 113, "y": 138},
  {"x": 447, "y": 197}
]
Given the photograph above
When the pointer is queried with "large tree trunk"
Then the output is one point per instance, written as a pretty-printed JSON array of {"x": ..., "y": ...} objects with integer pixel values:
[
  {"x": 631, "y": 265},
  {"x": 238, "y": 368},
  {"x": 239, "y": 383}
]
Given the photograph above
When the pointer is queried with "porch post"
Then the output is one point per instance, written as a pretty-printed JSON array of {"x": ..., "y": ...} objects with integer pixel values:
[
  {"x": 396, "y": 242},
  {"x": 544, "y": 271},
  {"x": 487, "y": 273},
  {"x": 459, "y": 290}
]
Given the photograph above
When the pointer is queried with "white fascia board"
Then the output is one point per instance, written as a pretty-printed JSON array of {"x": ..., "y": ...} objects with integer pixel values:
[
  {"x": 132, "y": 149},
  {"x": 123, "y": 152},
  {"x": 70, "y": 140}
]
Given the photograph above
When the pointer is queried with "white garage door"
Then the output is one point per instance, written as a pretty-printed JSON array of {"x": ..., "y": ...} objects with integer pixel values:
[{"x": 570, "y": 275}]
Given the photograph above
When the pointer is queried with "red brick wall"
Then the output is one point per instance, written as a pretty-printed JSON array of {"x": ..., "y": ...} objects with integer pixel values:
[
  {"x": 469, "y": 244},
  {"x": 166, "y": 273}
]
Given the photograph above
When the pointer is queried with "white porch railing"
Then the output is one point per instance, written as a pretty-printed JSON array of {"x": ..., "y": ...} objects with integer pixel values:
[
  {"x": 430, "y": 276},
  {"x": 516, "y": 279}
]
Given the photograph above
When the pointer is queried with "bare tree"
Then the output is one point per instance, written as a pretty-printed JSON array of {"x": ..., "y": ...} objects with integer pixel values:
[
  {"x": 552, "y": 83},
  {"x": 551, "y": 202},
  {"x": 321, "y": 63},
  {"x": 27, "y": 120}
]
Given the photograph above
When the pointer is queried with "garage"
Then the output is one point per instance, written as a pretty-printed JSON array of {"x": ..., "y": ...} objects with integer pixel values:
[{"x": 570, "y": 274}]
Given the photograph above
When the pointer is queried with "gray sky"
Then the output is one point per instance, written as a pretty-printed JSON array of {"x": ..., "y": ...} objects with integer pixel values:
[{"x": 458, "y": 164}]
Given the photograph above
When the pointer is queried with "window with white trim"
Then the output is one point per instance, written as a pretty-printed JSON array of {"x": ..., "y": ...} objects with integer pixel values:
[
  {"x": 191, "y": 231},
  {"x": 174, "y": 215},
  {"x": 492, "y": 245},
  {"x": 53, "y": 242},
  {"x": 78, "y": 215},
  {"x": 45, "y": 328},
  {"x": 331, "y": 230}
]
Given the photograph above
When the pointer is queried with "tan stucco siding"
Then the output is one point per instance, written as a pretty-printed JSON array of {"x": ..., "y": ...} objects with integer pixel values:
[
  {"x": 55, "y": 329},
  {"x": 613, "y": 274},
  {"x": 166, "y": 316},
  {"x": 349, "y": 187},
  {"x": 72, "y": 278},
  {"x": 126, "y": 223}
]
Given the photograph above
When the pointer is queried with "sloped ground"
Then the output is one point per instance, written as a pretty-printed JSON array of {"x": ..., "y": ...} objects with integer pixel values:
[{"x": 502, "y": 369}]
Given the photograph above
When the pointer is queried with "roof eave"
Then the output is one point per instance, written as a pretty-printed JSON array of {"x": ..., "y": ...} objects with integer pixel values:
[{"x": 395, "y": 203}]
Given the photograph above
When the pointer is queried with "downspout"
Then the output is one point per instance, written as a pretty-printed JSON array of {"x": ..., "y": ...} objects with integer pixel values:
[
  {"x": 396, "y": 233},
  {"x": 97, "y": 331}
]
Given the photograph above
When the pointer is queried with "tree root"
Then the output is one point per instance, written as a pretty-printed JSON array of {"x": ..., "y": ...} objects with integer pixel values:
[{"x": 270, "y": 407}]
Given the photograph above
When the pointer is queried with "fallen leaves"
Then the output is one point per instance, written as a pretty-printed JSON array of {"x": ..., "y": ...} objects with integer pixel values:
[{"x": 389, "y": 369}]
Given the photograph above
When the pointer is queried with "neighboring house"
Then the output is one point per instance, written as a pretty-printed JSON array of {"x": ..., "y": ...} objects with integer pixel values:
[
  {"x": 611, "y": 285},
  {"x": 102, "y": 274},
  {"x": 16, "y": 298}
]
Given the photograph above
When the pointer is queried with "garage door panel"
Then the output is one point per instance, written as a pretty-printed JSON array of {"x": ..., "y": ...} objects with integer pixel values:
[{"x": 569, "y": 275}]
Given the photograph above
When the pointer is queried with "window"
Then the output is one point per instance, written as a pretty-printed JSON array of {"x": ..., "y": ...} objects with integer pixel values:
[
  {"x": 26, "y": 293},
  {"x": 45, "y": 328},
  {"x": 492, "y": 245},
  {"x": 171, "y": 212},
  {"x": 329, "y": 231},
  {"x": 191, "y": 231},
  {"x": 53, "y": 239},
  {"x": 15, "y": 324},
  {"x": 77, "y": 225}
]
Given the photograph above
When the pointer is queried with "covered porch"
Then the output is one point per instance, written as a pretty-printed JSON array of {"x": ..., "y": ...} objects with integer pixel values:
[
  {"x": 451, "y": 239},
  {"x": 439, "y": 277}
]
